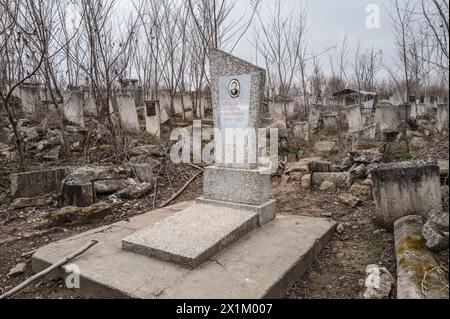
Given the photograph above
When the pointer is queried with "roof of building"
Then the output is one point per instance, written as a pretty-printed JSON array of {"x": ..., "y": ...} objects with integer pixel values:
[{"x": 351, "y": 92}]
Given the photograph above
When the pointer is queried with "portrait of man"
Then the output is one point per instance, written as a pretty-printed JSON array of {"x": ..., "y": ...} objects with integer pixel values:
[{"x": 234, "y": 88}]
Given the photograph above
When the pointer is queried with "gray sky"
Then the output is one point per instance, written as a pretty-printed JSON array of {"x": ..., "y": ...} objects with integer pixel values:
[{"x": 328, "y": 21}]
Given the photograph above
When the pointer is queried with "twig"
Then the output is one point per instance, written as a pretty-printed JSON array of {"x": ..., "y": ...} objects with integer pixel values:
[
  {"x": 196, "y": 166},
  {"x": 49, "y": 269},
  {"x": 181, "y": 190}
]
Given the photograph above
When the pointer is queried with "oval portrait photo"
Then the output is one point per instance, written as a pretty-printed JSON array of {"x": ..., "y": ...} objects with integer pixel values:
[{"x": 234, "y": 88}]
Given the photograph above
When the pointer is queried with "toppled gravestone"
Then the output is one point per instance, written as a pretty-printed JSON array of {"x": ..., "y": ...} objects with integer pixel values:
[
  {"x": 418, "y": 274},
  {"x": 435, "y": 230},
  {"x": 357, "y": 171},
  {"x": 107, "y": 179},
  {"x": 341, "y": 180},
  {"x": 37, "y": 183},
  {"x": 301, "y": 166},
  {"x": 349, "y": 199},
  {"x": 405, "y": 188},
  {"x": 320, "y": 166},
  {"x": 368, "y": 156},
  {"x": 72, "y": 215},
  {"x": 134, "y": 190}
]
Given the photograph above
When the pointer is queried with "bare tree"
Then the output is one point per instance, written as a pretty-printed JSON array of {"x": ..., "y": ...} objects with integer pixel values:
[
  {"x": 281, "y": 41},
  {"x": 21, "y": 57}
]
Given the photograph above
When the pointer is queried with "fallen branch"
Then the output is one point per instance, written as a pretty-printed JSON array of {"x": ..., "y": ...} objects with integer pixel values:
[
  {"x": 181, "y": 190},
  {"x": 49, "y": 269}
]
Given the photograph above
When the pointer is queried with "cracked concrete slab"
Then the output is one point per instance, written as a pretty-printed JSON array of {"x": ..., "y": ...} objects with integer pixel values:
[{"x": 262, "y": 264}]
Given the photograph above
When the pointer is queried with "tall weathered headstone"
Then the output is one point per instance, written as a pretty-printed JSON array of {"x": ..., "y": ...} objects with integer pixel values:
[{"x": 237, "y": 95}]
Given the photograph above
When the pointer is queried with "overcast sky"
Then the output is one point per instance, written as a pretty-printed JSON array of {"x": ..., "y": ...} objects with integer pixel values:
[{"x": 328, "y": 21}]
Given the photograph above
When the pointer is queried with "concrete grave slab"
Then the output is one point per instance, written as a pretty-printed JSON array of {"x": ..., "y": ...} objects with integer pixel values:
[
  {"x": 193, "y": 235},
  {"x": 262, "y": 264}
]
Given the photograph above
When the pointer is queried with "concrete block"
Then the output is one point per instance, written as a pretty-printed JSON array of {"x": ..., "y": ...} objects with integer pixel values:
[
  {"x": 405, "y": 188},
  {"x": 236, "y": 185},
  {"x": 193, "y": 235},
  {"x": 36, "y": 183}
]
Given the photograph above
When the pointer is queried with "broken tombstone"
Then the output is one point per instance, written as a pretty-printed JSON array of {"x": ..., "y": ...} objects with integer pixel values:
[
  {"x": 134, "y": 190},
  {"x": 378, "y": 283}
]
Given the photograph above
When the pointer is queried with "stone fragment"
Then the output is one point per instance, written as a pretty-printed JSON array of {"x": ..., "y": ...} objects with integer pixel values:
[
  {"x": 300, "y": 166},
  {"x": 372, "y": 155},
  {"x": 17, "y": 270},
  {"x": 306, "y": 181},
  {"x": 341, "y": 179},
  {"x": 24, "y": 202},
  {"x": 378, "y": 283},
  {"x": 325, "y": 146},
  {"x": 435, "y": 230},
  {"x": 349, "y": 199},
  {"x": 320, "y": 166},
  {"x": 52, "y": 155},
  {"x": 417, "y": 143},
  {"x": 134, "y": 190},
  {"x": 327, "y": 186},
  {"x": 109, "y": 186},
  {"x": 357, "y": 171},
  {"x": 340, "y": 228},
  {"x": 144, "y": 172}
]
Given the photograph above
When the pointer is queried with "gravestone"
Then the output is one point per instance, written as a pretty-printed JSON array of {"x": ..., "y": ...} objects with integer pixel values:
[
  {"x": 354, "y": 118},
  {"x": 73, "y": 107},
  {"x": 128, "y": 113},
  {"x": 236, "y": 192},
  {"x": 152, "y": 118}
]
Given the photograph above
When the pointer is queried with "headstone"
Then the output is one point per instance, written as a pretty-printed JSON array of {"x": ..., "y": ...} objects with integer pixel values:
[
  {"x": 36, "y": 183},
  {"x": 405, "y": 188},
  {"x": 315, "y": 110},
  {"x": 152, "y": 118},
  {"x": 237, "y": 95},
  {"x": 442, "y": 118},
  {"x": 128, "y": 113},
  {"x": 386, "y": 117},
  {"x": 30, "y": 96},
  {"x": 236, "y": 192},
  {"x": 301, "y": 130},
  {"x": 73, "y": 107},
  {"x": 354, "y": 118}
]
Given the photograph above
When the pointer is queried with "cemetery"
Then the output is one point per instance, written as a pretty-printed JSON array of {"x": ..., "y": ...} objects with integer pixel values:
[{"x": 231, "y": 185}]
